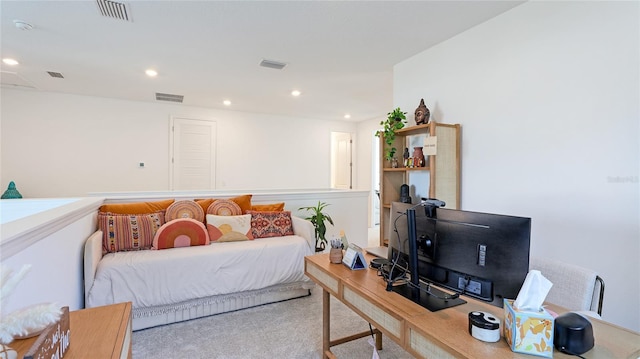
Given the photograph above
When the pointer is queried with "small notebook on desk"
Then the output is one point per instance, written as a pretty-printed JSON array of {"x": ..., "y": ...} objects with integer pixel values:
[
  {"x": 354, "y": 258},
  {"x": 380, "y": 252}
]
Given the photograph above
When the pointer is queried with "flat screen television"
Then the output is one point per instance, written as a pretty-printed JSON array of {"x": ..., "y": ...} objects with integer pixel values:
[{"x": 481, "y": 255}]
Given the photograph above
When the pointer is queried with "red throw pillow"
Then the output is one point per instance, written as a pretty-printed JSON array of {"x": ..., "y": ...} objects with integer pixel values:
[
  {"x": 181, "y": 232},
  {"x": 271, "y": 224}
]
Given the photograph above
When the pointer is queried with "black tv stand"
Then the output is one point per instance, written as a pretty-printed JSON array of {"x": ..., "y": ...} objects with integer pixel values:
[{"x": 427, "y": 296}]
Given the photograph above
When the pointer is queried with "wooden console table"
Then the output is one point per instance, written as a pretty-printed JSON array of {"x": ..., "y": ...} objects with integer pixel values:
[
  {"x": 441, "y": 334},
  {"x": 98, "y": 333}
]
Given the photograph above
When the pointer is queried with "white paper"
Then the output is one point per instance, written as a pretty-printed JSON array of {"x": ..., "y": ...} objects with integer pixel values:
[
  {"x": 430, "y": 145},
  {"x": 533, "y": 292}
]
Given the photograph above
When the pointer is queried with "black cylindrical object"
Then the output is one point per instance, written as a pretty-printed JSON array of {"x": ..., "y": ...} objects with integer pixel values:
[{"x": 404, "y": 194}]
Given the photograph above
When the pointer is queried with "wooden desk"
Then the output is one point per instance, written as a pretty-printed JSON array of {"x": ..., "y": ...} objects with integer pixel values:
[
  {"x": 441, "y": 334},
  {"x": 97, "y": 333}
]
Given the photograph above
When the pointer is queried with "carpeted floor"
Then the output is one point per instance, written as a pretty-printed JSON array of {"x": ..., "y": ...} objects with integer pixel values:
[{"x": 290, "y": 329}]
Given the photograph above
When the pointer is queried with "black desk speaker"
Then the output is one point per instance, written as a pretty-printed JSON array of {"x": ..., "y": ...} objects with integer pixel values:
[{"x": 573, "y": 334}]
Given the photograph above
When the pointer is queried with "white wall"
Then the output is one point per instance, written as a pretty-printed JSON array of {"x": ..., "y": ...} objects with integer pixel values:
[
  {"x": 548, "y": 98},
  {"x": 363, "y": 171},
  {"x": 58, "y": 145},
  {"x": 56, "y": 274}
]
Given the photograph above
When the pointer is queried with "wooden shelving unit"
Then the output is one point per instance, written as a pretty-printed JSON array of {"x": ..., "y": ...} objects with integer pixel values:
[{"x": 442, "y": 170}]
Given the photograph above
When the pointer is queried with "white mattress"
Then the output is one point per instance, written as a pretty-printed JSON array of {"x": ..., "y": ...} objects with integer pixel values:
[{"x": 143, "y": 278}]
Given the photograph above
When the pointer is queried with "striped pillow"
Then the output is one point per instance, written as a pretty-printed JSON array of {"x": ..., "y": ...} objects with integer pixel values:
[{"x": 128, "y": 232}]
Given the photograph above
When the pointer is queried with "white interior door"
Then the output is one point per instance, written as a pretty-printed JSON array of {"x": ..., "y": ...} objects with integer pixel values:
[
  {"x": 341, "y": 163},
  {"x": 193, "y": 154}
]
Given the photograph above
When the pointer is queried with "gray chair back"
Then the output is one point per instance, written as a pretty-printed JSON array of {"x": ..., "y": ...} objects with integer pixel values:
[{"x": 574, "y": 287}]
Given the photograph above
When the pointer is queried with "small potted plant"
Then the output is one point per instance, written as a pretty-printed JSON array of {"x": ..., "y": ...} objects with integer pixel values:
[
  {"x": 395, "y": 121},
  {"x": 318, "y": 218}
]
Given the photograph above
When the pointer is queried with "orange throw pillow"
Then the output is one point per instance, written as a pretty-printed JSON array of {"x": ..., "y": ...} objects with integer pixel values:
[
  {"x": 243, "y": 201},
  {"x": 136, "y": 207},
  {"x": 272, "y": 207},
  {"x": 205, "y": 203}
]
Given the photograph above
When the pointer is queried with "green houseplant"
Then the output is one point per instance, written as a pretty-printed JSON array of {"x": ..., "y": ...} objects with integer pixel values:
[
  {"x": 395, "y": 121},
  {"x": 318, "y": 218}
]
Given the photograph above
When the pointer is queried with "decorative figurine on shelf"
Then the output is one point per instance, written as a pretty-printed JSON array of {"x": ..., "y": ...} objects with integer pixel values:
[
  {"x": 418, "y": 157},
  {"x": 422, "y": 113},
  {"x": 404, "y": 194},
  {"x": 405, "y": 155},
  {"x": 11, "y": 192}
]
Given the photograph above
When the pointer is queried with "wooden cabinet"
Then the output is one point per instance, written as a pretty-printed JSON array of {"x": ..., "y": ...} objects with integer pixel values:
[
  {"x": 440, "y": 178},
  {"x": 100, "y": 332}
]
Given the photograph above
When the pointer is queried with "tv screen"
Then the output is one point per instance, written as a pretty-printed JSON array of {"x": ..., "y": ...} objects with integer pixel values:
[{"x": 481, "y": 255}]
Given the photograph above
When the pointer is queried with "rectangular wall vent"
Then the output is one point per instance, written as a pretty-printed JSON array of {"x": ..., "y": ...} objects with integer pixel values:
[
  {"x": 55, "y": 74},
  {"x": 114, "y": 9},
  {"x": 272, "y": 64},
  {"x": 169, "y": 97}
]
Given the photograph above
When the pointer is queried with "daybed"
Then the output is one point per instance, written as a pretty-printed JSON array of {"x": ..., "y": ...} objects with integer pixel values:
[{"x": 176, "y": 284}]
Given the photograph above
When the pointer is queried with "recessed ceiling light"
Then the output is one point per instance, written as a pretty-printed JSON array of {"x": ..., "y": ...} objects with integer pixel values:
[
  {"x": 226, "y": 102},
  {"x": 10, "y": 62},
  {"x": 347, "y": 116},
  {"x": 295, "y": 93},
  {"x": 151, "y": 73}
]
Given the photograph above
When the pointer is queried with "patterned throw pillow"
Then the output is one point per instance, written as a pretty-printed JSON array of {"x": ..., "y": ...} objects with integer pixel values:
[
  {"x": 184, "y": 209},
  {"x": 224, "y": 207},
  {"x": 181, "y": 232},
  {"x": 271, "y": 224},
  {"x": 229, "y": 228},
  {"x": 127, "y": 232}
]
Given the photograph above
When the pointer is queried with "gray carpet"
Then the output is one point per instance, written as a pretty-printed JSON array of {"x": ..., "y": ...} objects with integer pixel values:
[{"x": 289, "y": 329}]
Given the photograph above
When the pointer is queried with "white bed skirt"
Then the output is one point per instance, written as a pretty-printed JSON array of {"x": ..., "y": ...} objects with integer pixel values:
[{"x": 197, "y": 308}]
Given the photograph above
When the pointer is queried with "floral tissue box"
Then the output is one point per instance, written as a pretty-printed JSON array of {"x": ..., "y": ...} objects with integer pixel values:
[{"x": 528, "y": 332}]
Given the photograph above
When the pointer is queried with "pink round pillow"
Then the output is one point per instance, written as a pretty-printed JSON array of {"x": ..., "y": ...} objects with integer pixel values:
[
  {"x": 184, "y": 209},
  {"x": 224, "y": 207},
  {"x": 182, "y": 232}
]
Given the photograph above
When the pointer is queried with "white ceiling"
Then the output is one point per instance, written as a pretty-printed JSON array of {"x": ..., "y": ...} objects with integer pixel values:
[{"x": 340, "y": 54}]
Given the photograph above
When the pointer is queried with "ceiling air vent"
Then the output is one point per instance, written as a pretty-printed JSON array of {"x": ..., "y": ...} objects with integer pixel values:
[
  {"x": 272, "y": 64},
  {"x": 55, "y": 74},
  {"x": 169, "y": 97},
  {"x": 114, "y": 9}
]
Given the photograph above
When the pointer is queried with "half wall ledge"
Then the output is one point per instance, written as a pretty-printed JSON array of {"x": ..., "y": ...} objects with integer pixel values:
[{"x": 24, "y": 222}]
